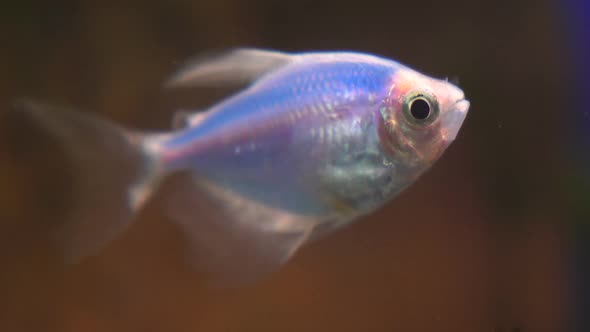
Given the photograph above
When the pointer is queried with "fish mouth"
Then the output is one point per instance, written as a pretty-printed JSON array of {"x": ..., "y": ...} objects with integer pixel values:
[
  {"x": 462, "y": 105},
  {"x": 453, "y": 120}
]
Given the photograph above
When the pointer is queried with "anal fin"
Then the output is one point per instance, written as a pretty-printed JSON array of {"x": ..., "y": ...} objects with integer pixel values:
[{"x": 234, "y": 239}]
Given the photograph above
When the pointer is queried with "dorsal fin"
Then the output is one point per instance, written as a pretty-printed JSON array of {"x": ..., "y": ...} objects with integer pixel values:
[{"x": 230, "y": 68}]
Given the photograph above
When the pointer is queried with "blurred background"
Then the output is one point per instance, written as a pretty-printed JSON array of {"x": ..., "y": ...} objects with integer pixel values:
[{"x": 494, "y": 238}]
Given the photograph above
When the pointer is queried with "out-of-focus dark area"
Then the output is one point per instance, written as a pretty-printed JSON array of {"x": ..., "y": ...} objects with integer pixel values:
[{"x": 491, "y": 239}]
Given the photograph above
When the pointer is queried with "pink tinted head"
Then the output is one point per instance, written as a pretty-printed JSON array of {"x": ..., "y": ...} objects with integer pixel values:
[{"x": 421, "y": 117}]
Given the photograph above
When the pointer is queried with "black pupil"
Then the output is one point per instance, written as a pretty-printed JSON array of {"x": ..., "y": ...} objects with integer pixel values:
[{"x": 420, "y": 109}]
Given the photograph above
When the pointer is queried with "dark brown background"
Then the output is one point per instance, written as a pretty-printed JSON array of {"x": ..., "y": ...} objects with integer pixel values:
[{"x": 478, "y": 244}]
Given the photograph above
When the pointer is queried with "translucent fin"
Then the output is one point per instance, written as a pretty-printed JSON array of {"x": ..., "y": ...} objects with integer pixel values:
[
  {"x": 181, "y": 119},
  {"x": 111, "y": 176},
  {"x": 184, "y": 119},
  {"x": 234, "y": 239},
  {"x": 231, "y": 68}
]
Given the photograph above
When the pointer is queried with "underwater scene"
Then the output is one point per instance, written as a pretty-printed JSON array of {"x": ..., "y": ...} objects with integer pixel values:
[{"x": 196, "y": 165}]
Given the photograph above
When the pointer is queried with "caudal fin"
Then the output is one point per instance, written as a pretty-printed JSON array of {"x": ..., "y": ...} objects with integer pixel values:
[{"x": 112, "y": 175}]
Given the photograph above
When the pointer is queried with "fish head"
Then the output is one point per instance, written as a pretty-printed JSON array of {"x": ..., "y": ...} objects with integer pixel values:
[{"x": 420, "y": 117}]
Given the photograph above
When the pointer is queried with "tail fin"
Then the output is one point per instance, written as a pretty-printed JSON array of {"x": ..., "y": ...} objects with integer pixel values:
[{"x": 112, "y": 176}]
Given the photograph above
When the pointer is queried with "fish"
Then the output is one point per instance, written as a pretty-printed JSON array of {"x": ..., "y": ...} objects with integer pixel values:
[{"x": 311, "y": 143}]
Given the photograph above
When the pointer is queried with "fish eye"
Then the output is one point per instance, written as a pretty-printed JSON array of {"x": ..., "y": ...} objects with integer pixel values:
[{"x": 420, "y": 108}]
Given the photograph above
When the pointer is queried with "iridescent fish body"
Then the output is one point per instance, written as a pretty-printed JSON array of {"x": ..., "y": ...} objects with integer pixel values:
[{"x": 315, "y": 141}]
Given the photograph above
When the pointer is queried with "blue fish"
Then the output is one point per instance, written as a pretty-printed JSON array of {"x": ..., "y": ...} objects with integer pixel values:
[{"x": 313, "y": 142}]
